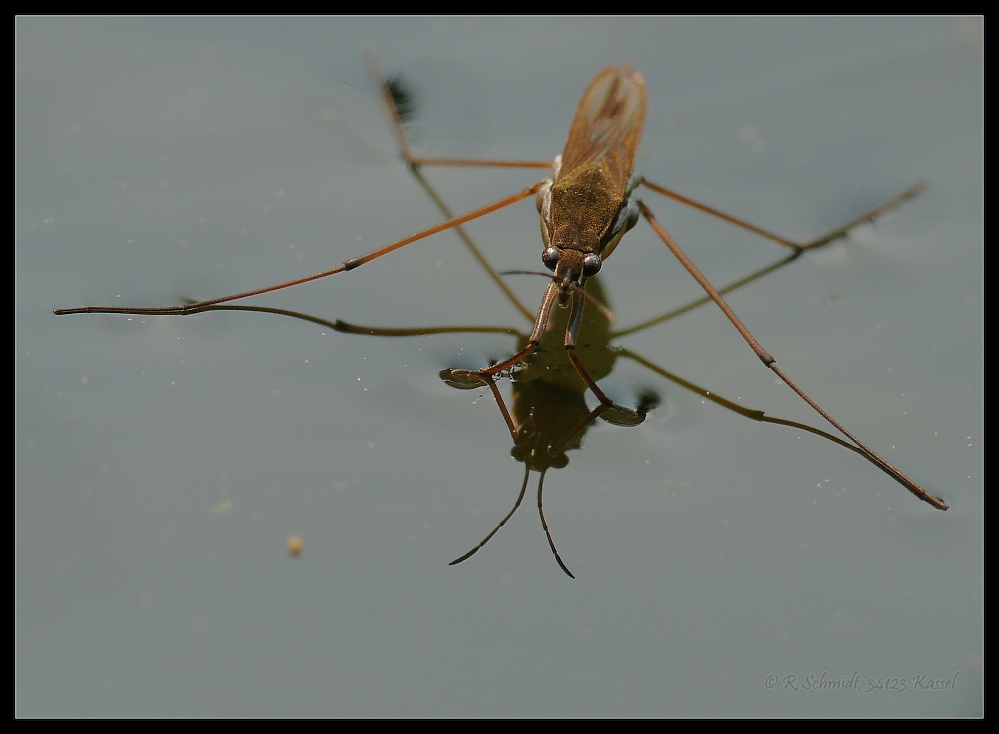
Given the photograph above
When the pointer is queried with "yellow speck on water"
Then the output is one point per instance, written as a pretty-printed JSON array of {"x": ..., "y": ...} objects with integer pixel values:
[{"x": 295, "y": 544}]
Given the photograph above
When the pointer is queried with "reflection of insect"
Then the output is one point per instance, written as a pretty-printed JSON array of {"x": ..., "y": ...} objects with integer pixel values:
[
  {"x": 548, "y": 414},
  {"x": 586, "y": 208}
]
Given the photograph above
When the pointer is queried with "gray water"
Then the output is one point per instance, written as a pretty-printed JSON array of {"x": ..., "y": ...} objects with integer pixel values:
[{"x": 161, "y": 463}]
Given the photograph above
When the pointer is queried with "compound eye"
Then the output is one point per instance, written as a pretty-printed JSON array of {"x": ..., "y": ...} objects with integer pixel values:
[
  {"x": 591, "y": 265},
  {"x": 550, "y": 257}
]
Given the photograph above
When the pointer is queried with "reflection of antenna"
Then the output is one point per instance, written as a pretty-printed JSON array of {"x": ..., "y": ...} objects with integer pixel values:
[
  {"x": 523, "y": 488},
  {"x": 544, "y": 524}
]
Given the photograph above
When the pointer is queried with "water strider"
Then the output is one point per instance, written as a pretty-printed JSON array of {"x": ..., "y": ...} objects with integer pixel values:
[{"x": 585, "y": 209}]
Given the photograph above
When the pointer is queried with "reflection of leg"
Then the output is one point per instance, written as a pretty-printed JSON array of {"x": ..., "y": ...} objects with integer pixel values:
[
  {"x": 467, "y": 379},
  {"x": 770, "y": 362},
  {"x": 753, "y": 415},
  {"x": 514, "y": 428},
  {"x": 616, "y": 414},
  {"x": 868, "y": 217}
]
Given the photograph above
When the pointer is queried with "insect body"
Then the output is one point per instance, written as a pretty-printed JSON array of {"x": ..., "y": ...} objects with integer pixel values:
[{"x": 586, "y": 209}]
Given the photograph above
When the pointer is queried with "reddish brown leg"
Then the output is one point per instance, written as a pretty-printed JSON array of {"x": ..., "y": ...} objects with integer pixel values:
[
  {"x": 770, "y": 362},
  {"x": 403, "y": 140},
  {"x": 351, "y": 264},
  {"x": 868, "y": 216}
]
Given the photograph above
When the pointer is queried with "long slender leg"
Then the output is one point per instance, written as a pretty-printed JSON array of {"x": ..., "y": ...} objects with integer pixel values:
[
  {"x": 571, "y": 337},
  {"x": 474, "y": 378},
  {"x": 770, "y": 362},
  {"x": 868, "y": 216},
  {"x": 395, "y": 120},
  {"x": 464, "y": 379},
  {"x": 472, "y": 247},
  {"x": 733, "y": 286},
  {"x": 402, "y": 139},
  {"x": 720, "y": 214},
  {"x": 351, "y": 264}
]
